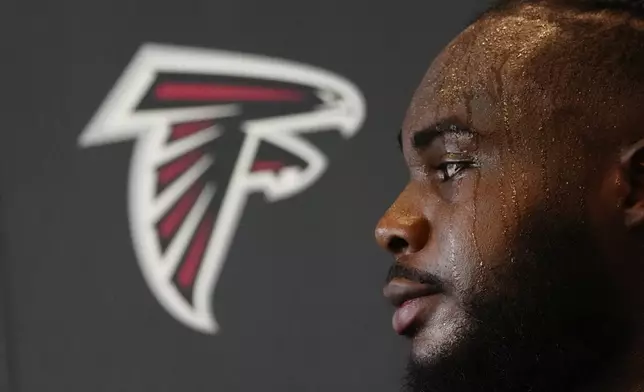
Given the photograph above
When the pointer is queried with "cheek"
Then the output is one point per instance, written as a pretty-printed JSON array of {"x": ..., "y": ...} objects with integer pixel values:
[
  {"x": 460, "y": 223},
  {"x": 480, "y": 219},
  {"x": 483, "y": 219}
]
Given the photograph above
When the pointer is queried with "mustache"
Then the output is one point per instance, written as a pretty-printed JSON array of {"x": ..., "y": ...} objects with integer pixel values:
[{"x": 412, "y": 274}]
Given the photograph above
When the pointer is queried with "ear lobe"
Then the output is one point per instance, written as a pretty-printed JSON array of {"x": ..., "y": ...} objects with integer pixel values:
[{"x": 634, "y": 173}]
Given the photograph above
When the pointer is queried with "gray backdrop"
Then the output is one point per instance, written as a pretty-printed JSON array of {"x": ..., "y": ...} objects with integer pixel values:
[{"x": 76, "y": 312}]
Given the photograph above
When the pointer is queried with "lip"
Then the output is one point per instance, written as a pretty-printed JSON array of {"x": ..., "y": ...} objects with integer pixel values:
[{"x": 409, "y": 299}]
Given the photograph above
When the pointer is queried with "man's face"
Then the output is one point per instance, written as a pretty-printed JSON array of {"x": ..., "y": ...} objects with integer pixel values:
[{"x": 506, "y": 238}]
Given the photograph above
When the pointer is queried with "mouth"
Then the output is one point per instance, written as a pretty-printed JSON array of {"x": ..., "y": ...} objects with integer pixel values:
[{"x": 413, "y": 302}]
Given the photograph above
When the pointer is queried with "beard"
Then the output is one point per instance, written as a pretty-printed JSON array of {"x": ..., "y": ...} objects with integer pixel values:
[{"x": 556, "y": 321}]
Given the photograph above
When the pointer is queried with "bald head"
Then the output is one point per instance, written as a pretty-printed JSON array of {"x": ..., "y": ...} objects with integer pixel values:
[{"x": 557, "y": 57}]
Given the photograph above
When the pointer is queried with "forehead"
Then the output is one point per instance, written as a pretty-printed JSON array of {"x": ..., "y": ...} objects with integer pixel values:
[{"x": 478, "y": 68}]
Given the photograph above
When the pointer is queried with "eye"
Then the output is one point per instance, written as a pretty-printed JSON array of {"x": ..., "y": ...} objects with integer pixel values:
[{"x": 447, "y": 170}]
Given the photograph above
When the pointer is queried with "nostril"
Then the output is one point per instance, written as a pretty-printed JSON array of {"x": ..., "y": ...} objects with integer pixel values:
[{"x": 397, "y": 245}]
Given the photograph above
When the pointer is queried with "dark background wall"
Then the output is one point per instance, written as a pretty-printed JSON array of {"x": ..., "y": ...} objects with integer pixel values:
[{"x": 299, "y": 299}]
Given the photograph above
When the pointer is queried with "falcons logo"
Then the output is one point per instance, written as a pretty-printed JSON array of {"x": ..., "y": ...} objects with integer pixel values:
[{"x": 210, "y": 128}]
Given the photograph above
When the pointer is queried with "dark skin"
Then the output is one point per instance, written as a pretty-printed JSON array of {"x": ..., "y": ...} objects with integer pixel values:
[{"x": 519, "y": 237}]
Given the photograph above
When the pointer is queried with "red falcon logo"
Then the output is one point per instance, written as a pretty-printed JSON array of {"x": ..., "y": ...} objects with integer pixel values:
[{"x": 211, "y": 128}]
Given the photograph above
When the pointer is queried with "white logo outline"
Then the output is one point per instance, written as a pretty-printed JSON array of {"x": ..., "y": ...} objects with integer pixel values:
[{"x": 116, "y": 120}]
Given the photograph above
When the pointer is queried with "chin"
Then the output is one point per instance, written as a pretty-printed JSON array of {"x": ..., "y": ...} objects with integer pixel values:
[{"x": 440, "y": 335}]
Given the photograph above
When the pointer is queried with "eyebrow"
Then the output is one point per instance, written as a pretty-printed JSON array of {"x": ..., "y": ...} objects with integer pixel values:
[{"x": 425, "y": 137}]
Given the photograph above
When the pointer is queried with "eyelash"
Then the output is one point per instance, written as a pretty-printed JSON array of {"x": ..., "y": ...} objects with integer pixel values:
[{"x": 448, "y": 170}]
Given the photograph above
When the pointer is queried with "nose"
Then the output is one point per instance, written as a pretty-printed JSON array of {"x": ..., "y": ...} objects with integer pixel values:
[{"x": 403, "y": 229}]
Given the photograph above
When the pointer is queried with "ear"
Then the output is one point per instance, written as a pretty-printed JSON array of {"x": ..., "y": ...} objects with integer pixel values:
[{"x": 633, "y": 166}]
